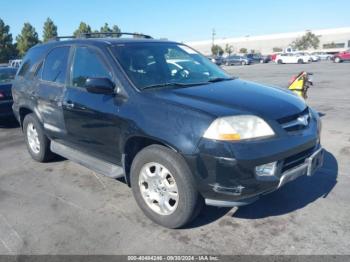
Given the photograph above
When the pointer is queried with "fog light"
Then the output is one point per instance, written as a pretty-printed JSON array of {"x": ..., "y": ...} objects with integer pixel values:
[{"x": 266, "y": 169}]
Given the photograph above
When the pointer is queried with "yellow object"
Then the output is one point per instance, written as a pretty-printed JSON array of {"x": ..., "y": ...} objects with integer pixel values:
[
  {"x": 297, "y": 86},
  {"x": 230, "y": 137}
]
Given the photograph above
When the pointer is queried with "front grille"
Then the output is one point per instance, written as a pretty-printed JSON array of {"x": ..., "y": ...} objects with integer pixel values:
[
  {"x": 295, "y": 122},
  {"x": 297, "y": 159}
]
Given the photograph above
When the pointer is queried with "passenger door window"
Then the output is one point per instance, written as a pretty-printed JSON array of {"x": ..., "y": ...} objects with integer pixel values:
[
  {"x": 55, "y": 66},
  {"x": 88, "y": 64}
]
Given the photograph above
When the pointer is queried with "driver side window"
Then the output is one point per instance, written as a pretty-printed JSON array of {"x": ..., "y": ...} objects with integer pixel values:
[{"x": 88, "y": 64}]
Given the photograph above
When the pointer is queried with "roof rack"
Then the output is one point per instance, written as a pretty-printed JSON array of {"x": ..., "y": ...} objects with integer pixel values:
[{"x": 97, "y": 35}]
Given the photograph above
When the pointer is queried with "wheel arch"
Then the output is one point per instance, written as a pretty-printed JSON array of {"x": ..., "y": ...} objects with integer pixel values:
[{"x": 133, "y": 146}]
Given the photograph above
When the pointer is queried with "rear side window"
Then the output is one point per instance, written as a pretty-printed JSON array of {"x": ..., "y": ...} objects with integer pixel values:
[
  {"x": 88, "y": 64},
  {"x": 55, "y": 66},
  {"x": 30, "y": 61}
]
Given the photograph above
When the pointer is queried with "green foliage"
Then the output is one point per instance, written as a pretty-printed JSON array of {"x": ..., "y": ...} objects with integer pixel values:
[
  {"x": 27, "y": 39},
  {"x": 82, "y": 29},
  {"x": 217, "y": 50},
  {"x": 306, "y": 41},
  {"x": 50, "y": 30},
  {"x": 243, "y": 50},
  {"x": 6, "y": 47},
  {"x": 277, "y": 49},
  {"x": 107, "y": 29},
  {"x": 116, "y": 29},
  {"x": 228, "y": 49}
]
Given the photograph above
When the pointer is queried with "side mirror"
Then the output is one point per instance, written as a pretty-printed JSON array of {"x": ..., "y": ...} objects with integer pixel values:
[{"x": 99, "y": 86}]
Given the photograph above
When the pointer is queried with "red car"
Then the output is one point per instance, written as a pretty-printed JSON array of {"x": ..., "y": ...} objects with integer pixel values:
[{"x": 342, "y": 56}]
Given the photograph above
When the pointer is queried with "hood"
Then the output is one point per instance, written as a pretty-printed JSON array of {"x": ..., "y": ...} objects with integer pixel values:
[{"x": 237, "y": 97}]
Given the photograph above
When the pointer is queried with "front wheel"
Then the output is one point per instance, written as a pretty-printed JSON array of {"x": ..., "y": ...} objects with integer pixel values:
[
  {"x": 163, "y": 187},
  {"x": 337, "y": 60},
  {"x": 300, "y": 61},
  {"x": 37, "y": 143}
]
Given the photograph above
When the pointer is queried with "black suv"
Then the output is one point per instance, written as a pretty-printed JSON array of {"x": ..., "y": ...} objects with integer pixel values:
[{"x": 180, "y": 130}]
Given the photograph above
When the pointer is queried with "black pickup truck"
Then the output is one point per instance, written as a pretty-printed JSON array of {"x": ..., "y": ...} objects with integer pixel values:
[{"x": 180, "y": 130}]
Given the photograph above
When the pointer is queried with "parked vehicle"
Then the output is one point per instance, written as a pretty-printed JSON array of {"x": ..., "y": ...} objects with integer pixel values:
[
  {"x": 313, "y": 58},
  {"x": 180, "y": 135},
  {"x": 237, "y": 60},
  {"x": 257, "y": 58},
  {"x": 342, "y": 56},
  {"x": 15, "y": 63},
  {"x": 7, "y": 74},
  {"x": 323, "y": 55},
  {"x": 218, "y": 60},
  {"x": 292, "y": 58}
]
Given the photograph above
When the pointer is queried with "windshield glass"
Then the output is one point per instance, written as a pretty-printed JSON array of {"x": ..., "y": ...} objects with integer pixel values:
[
  {"x": 166, "y": 64},
  {"x": 7, "y": 74}
]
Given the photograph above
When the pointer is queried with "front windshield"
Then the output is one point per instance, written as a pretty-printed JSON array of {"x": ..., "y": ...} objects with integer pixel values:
[
  {"x": 7, "y": 75},
  {"x": 166, "y": 64}
]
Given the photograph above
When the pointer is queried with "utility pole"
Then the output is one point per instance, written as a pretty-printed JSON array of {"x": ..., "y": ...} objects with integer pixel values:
[{"x": 213, "y": 34}]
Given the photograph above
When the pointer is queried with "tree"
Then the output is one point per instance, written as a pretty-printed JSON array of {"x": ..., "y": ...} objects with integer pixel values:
[
  {"x": 27, "y": 39},
  {"x": 116, "y": 29},
  {"x": 277, "y": 49},
  {"x": 82, "y": 29},
  {"x": 306, "y": 41},
  {"x": 6, "y": 47},
  {"x": 50, "y": 30},
  {"x": 217, "y": 50},
  {"x": 106, "y": 29},
  {"x": 243, "y": 50},
  {"x": 228, "y": 49}
]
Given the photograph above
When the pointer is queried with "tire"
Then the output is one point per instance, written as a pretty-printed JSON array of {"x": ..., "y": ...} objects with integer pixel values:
[
  {"x": 243, "y": 63},
  {"x": 40, "y": 150},
  {"x": 337, "y": 60},
  {"x": 188, "y": 204},
  {"x": 261, "y": 61},
  {"x": 279, "y": 61},
  {"x": 300, "y": 61}
]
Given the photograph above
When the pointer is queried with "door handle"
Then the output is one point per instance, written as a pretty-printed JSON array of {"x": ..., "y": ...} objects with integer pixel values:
[{"x": 69, "y": 104}]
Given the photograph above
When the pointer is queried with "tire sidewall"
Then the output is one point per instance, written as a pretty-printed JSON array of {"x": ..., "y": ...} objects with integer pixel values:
[
  {"x": 188, "y": 195},
  {"x": 31, "y": 118}
]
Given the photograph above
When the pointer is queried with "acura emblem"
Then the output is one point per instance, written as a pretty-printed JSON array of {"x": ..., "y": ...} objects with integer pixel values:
[{"x": 303, "y": 120}]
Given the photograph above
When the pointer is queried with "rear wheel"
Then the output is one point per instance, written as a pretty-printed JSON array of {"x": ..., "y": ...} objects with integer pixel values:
[
  {"x": 300, "y": 61},
  {"x": 279, "y": 61},
  {"x": 337, "y": 60},
  {"x": 261, "y": 61},
  {"x": 243, "y": 63},
  {"x": 163, "y": 187},
  {"x": 37, "y": 143}
]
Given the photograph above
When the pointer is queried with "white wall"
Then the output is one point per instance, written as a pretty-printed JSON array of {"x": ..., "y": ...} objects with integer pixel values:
[{"x": 265, "y": 43}]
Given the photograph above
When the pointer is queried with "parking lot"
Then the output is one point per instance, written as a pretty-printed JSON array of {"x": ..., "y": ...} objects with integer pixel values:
[{"x": 63, "y": 208}]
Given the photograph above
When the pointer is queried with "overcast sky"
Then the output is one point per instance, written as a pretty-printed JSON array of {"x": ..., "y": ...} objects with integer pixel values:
[{"x": 180, "y": 20}]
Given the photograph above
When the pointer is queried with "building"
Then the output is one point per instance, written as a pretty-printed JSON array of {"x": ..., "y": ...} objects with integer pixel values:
[{"x": 331, "y": 40}]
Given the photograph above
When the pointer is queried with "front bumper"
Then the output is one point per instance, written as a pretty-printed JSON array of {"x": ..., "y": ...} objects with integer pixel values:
[
  {"x": 225, "y": 172},
  {"x": 6, "y": 108}
]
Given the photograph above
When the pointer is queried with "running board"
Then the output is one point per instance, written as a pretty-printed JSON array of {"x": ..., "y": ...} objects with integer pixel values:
[{"x": 97, "y": 165}]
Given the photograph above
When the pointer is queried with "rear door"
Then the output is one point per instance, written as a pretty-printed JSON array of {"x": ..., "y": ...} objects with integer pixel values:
[
  {"x": 91, "y": 119},
  {"x": 53, "y": 72}
]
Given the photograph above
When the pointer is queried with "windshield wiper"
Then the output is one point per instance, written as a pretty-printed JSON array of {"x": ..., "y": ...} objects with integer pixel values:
[
  {"x": 220, "y": 79},
  {"x": 172, "y": 84}
]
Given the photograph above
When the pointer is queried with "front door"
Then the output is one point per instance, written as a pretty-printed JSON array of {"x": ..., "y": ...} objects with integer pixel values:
[{"x": 91, "y": 119}]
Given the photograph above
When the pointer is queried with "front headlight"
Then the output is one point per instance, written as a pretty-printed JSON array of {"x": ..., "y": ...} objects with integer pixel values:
[{"x": 238, "y": 128}]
